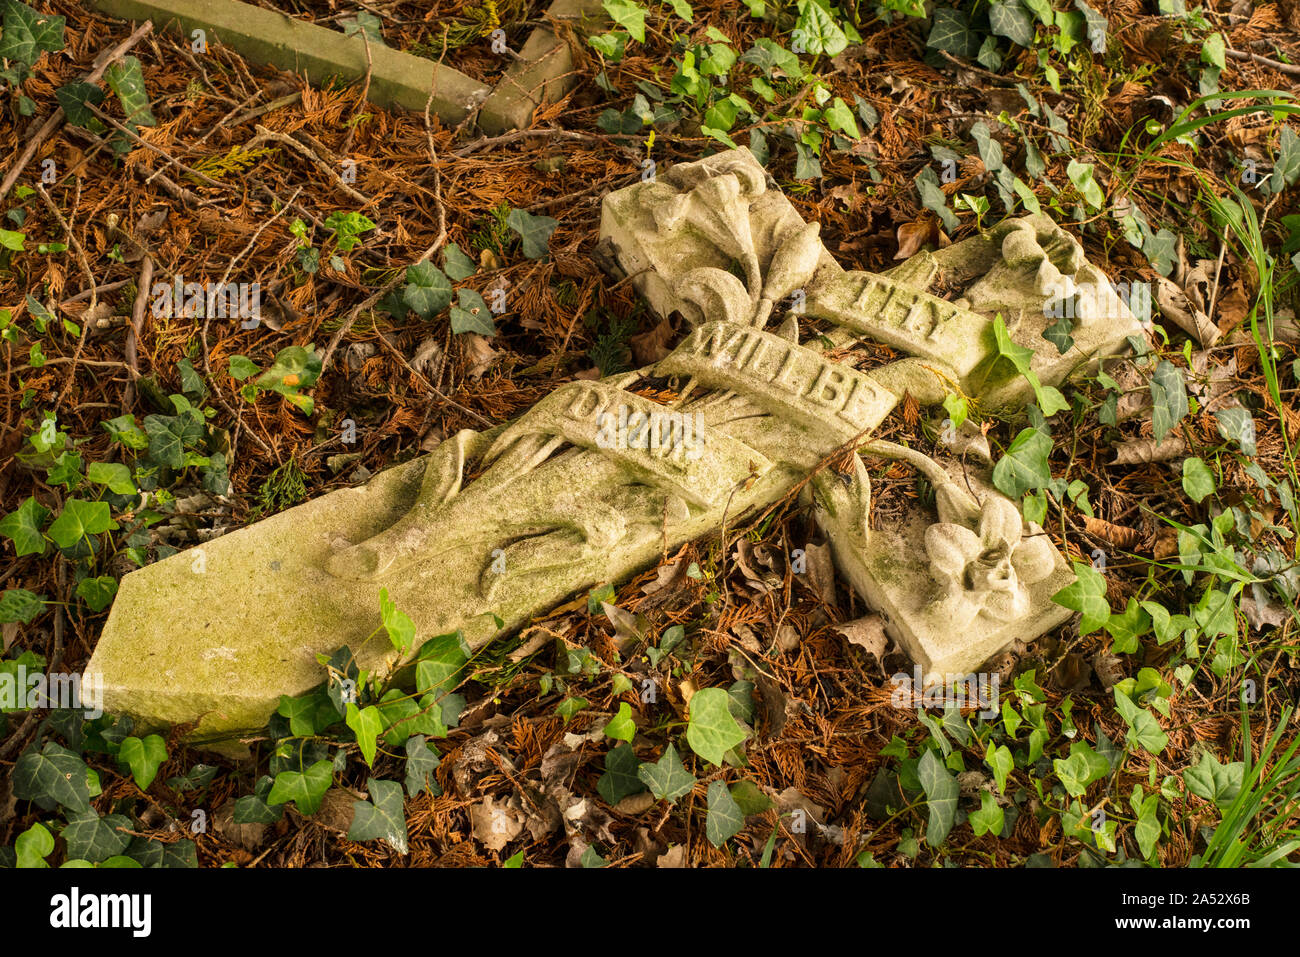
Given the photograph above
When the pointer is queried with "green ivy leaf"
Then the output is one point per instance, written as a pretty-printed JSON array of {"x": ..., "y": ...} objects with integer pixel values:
[
  {"x": 990, "y": 149},
  {"x": 301, "y": 713},
  {"x": 427, "y": 290},
  {"x": 74, "y": 98},
  {"x": 952, "y": 33},
  {"x": 620, "y": 778},
  {"x": 1049, "y": 398},
  {"x": 33, "y": 846},
  {"x": 1058, "y": 334},
  {"x": 1144, "y": 730},
  {"x": 1025, "y": 466},
  {"x": 93, "y": 838},
  {"x": 170, "y": 435},
  {"x": 79, "y": 520},
  {"x": 989, "y": 819},
  {"x": 97, "y": 593},
  {"x": 999, "y": 759},
  {"x": 304, "y": 788},
  {"x": 1214, "y": 781},
  {"x": 53, "y": 774},
  {"x": 1213, "y": 51},
  {"x": 364, "y": 22},
  {"x": 28, "y": 34},
  {"x": 610, "y": 46},
  {"x": 440, "y": 663},
  {"x": 1080, "y": 175},
  {"x": 1168, "y": 398},
  {"x": 1095, "y": 25},
  {"x": 254, "y": 809},
  {"x": 126, "y": 79},
  {"x": 1147, "y": 829},
  {"x": 383, "y": 817},
  {"x": 471, "y": 314},
  {"x": 1011, "y": 20},
  {"x": 1198, "y": 480},
  {"x": 404, "y": 717},
  {"x": 567, "y": 708},
  {"x": 839, "y": 117},
  {"x": 1127, "y": 627},
  {"x": 630, "y": 16},
  {"x": 1161, "y": 249},
  {"x": 367, "y": 724},
  {"x": 1237, "y": 425},
  {"x": 749, "y": 798},
  {"x": 113, "y": 474},
  {"x": 817, "y": 31},
  {"x": 457, "y": 265},
  {"x": 400, "y": 628},
  {"x": 667, "y": 778},
  {"x": 241, "y": 367},
  {"x": 347, "y": 229},
  {"x": 1081, "y": 768},
  {"x": 724, "y": 819},
  {"x": 421, "y": 761},
  {"x": 1086, "y": 595},
  {"x": 23, "y": 527},
  {"x": 1287, "y": 167},
  {"x": 1166, "y": 626},
  {"x": 144, "y": 756},
  {"x": 712, "y": 731},
  {"x": 933, "y": 198},
  {"x": 123, "y": 429},
  {"x": 621, "y": 727},
  {"x": 294, "y": 368},
  {"x": 535, "y": 231},
  {"x": 940, "y": 787}
]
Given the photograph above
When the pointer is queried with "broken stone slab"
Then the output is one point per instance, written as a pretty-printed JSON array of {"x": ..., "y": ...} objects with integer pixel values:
[
  {"x": 587, "y": 487},
  {"x": 592, "y": 484},
  {"x": 544, "y": 71},
  {"x": 955, "y": 583},
  {"x": 264, "y": 36}
]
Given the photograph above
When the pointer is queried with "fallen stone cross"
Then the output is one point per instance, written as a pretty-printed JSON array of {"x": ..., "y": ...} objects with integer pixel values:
[
  {"x": 495, "y": 528},
  {"x": 541, "y": 73}
]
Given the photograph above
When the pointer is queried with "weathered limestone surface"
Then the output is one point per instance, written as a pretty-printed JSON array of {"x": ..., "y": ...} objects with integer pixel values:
[
  {"x": 594, "y": 482},
  {"x": 396, "y": 78}
]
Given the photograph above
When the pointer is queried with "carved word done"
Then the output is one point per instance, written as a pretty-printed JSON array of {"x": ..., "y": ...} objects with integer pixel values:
[{"x": 668, "y": 432}]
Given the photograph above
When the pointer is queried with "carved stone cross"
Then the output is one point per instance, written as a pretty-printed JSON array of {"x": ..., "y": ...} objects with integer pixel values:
[{"x": 597, "y": 480}]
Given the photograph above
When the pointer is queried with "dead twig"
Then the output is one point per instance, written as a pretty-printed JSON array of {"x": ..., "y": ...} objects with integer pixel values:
[
  {"x": 90, "y": 277},
  {"x": 133, "y": 330},
  {"x": 263, "y": 135},
  {"x": 1291, "y": 69}
]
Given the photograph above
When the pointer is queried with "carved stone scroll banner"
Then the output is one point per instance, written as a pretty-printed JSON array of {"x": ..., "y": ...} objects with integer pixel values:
[{"x": 495, "y": 528}]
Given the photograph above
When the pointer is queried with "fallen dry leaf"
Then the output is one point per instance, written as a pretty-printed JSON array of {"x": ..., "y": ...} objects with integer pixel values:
[
  {"x": 494, "y": 826},
  {"x": 649, "y": 347},
  {"x": 1149, "y": 450},
  {"x": 868, "y": 633},
  {"x": 478, "y": 352}
]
